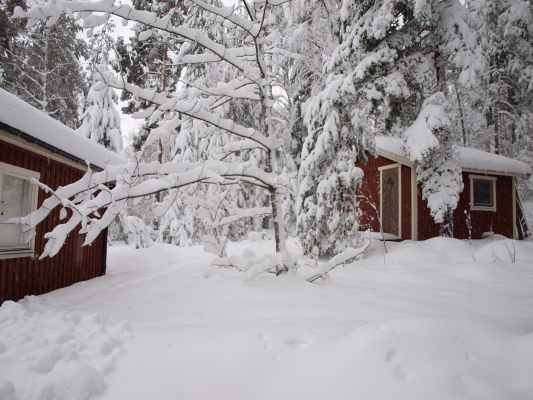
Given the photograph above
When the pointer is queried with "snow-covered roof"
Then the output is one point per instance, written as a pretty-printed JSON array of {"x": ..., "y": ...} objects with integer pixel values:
[
  {"x": 468, "y": 158},
  {"x": 23, "y": 117}
]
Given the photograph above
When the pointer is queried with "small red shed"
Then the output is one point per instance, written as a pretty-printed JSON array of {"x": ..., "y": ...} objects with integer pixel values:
[
  {"x": 391, "y": 199},
  {"x": 34, "y": 145}
]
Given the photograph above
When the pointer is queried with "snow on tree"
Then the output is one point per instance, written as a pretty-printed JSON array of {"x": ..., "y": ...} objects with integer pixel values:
[
  {"x": 327, "y": 216},
  {"x": 182, "y": 220},
  {"x": 146, "y": 61},
  {"x": 139, "y": 234},
  {"x": 390, "y": 56},
  {"x": 504, "y": 30},
  {"x": 9, "y": 29},
  {"x": 302, "y": 31},
  {"x": 429, "y": 143},
  {"x": 101, "y": 120},
  {"x": 40, "y": 64},
  {"x": 253, "y": 82},
  {"x": 181, "y": 225},
  {"x": 153, "y": 59}
]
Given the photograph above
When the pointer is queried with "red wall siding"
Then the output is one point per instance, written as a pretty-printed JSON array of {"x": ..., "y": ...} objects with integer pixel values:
[
  {"x": 500, "y": 221},
  {"x": 26, "y": 276},
  {"x": 427, "y": 228},
  {"x": 368, "y": 192}
]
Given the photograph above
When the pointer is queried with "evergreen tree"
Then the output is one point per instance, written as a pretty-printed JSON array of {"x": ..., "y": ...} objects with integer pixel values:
[
  {"x": 101, "y": 120},
  {"x": 10, "y": 29},
  {"x": 504, "y": 96},
  {"x": 391, "y": 56},
  {"x": 41, "y": 66},
  {"x": 429, "y": 143}
]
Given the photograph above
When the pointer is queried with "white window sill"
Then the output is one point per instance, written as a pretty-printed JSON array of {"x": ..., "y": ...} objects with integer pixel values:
[
  {"x": 478, "y": 208},
  {"x": 7, "y": 254}
]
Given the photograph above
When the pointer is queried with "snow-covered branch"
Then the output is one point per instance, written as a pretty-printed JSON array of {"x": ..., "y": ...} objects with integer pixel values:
[
  {"x": 192, "y": 109},
  {"x": 169, "y": 176},
  {"x": 245, "y": 213},
  {"x": 341, "y": 258},
  {"x": 85, "y": 10},
  {"x": 246, "y": 74}
]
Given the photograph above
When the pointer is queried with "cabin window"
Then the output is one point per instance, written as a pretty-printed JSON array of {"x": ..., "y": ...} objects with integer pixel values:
[
  {"x": 18, "y": 197},
  {"x": 482, "y": 193}
]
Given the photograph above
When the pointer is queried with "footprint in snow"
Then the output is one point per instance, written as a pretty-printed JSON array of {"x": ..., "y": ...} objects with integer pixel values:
[
  {"x": 400, "y": 372},
  {"x": 392, "y": 356},
  {"x": 264, "y": 336},
  {"x": 299, "y": 342}
]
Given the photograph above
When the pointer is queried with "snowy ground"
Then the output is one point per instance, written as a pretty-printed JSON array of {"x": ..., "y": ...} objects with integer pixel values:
[{"x": 440, "y": 319}]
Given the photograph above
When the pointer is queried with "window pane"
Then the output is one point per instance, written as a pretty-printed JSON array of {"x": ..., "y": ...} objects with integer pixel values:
[
  {"x": 16, "y": 195},
  {"x": 482, "y": 193}
]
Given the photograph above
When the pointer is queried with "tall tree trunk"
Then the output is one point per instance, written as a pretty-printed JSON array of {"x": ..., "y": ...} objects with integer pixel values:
[
  {"x": 163, "y": 88},
  {"x": 45, "y": 71},
  {"x": 497, "y": 133},
  {"x": 446, "y": 228},
  {"x": 461, "y": 115},
  {"x": 271, "y": 160}
]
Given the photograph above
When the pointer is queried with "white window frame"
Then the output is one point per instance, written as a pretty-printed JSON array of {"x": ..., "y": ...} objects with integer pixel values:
[
  {"x": 482, "y": 178},
  {"x": 21, "y": 173}
]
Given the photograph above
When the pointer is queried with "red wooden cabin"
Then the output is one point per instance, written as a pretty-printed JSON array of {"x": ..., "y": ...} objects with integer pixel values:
[
  {"x": 391, "y": 195},
  {"x": 33, "y": 144}
]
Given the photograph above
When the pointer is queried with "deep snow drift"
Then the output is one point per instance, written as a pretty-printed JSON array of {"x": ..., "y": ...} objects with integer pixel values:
[{"x": 439, "y": 319}]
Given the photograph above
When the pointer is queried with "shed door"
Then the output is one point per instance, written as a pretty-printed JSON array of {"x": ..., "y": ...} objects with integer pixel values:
[{"x": 390, "y": 200}]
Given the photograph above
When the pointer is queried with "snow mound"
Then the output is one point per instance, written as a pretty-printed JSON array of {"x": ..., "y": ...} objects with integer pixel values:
[
  {"x": 48, "y": 353},
  {"x": 426, "y": 252},
  {"x": 505, "y": 251}
]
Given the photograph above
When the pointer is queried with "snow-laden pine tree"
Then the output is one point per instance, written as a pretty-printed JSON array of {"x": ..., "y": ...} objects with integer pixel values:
[
  {"x": 101, "y": 119},
  {"x": 327, "y": 216},
  {"x": 147, "y": 59},
  {"x": 181, "y": 224},
  {"x": 504, "y": 30},
  {"x": 248, "y": 55},
  {"x": 302, "y": 29},
  {"x": 40, "y": 64},
  {"x": 429, "y": 143},
  {"x": 390, "y": 56}
]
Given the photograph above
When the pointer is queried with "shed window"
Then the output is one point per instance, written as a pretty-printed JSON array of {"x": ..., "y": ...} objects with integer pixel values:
[
  {"x": 482, "y": 193},
  {"x": 18, "y": 197}
]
